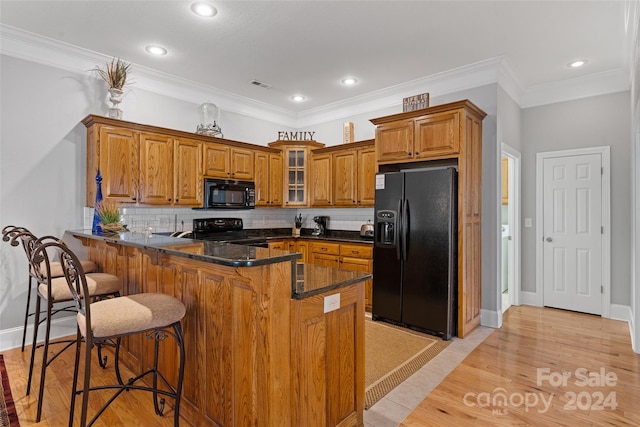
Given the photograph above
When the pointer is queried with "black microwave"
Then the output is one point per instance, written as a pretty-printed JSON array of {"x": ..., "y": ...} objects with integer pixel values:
[{"x": 229, "y": 194}]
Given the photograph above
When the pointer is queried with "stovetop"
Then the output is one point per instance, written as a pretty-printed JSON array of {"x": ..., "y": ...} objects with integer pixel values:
[{"x": 219, "y": 229}]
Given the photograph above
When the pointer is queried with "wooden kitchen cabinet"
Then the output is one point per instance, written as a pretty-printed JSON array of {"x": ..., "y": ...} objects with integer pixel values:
[
  {"x": 115, "y": 152},
  {"x": 156, "y": 169},
  {"x": 450, "y": 133},
  {"x": 225, "y": 161},
  {"x": 187, "y": 173},
  {"x": 268, "y": 178},
  {"x": 324, "y": 253},
  {"x": 296, "y": 170},
  {"x": 345, "y": 178},
  {"x": 321, "y": 188},
  {"x": 366, "y": 175},
  {"x": 329, "y": 360},
  {"x": 139, "y": 166},
  {"x": 359, "y": 257},
  {"x": 427, "y": 137},
  {"x": 344, "y": 175}
]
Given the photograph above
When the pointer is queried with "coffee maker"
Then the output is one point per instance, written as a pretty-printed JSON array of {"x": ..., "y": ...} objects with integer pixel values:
[{"x": 321, "y": 227}]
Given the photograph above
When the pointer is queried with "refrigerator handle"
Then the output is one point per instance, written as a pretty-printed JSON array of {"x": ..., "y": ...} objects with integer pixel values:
[
  {"x": 398, "y": 231},
  {"x": 405, "y": 228}
]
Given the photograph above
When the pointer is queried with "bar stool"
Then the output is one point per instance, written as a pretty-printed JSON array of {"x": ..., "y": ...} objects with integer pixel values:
[
  {"x": 55, "y": 293},
  {"x": 158, "y": 315},
  {"x": 8, "y": 233}
]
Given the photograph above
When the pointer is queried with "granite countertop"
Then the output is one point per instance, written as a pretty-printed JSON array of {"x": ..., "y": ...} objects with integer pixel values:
[
  {"x": 214, "y": 252},
  {"x": 307, "y": 280},
  {"x": 305, "y": 233}
]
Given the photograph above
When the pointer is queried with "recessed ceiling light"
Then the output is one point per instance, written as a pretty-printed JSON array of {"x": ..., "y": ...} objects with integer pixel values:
[
  {"x": 156, "y": 50},
  {"x": 204, "y": 9},
  {"x": 577, "y": 64},
  {"x": 298, "y": 98},
  {"x": 349, "y": 81}
]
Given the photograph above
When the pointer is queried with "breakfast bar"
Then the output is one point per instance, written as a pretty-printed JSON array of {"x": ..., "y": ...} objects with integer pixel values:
[{"x": 269, "y": 341}]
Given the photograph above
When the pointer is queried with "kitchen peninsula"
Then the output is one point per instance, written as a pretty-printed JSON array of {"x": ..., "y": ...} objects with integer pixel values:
[{"x": 269, "y": 341}]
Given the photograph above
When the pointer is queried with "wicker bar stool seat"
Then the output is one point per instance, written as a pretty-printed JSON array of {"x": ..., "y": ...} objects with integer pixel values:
[{"x": 157, "y": 315}]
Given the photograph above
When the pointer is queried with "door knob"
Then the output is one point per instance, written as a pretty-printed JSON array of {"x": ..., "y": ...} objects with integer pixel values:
[{"x": 549, "y": 239}]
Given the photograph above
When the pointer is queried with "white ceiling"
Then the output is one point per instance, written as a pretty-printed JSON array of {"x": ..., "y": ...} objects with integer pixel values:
[{"x": 307, "y": 47}]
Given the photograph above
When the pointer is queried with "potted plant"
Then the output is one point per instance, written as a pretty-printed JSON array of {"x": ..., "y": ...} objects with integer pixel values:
[
  {"x": 109, "y": 216},
  {"x": 115, "y": 75}
]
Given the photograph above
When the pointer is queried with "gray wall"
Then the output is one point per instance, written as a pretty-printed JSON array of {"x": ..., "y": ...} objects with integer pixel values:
[{"x": 597, "y": 121}]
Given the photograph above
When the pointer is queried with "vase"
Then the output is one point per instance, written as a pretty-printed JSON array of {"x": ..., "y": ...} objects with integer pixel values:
[
  {"x": 96, "y": 228},
  {"x": 115, "y": 96}
]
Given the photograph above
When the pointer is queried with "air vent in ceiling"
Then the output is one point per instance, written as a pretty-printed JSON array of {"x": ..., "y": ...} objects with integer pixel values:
[{"x": 261, "y": 84}]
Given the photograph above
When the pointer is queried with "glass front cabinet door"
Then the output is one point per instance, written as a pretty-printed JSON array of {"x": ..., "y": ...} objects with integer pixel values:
[{"x": 296, "y": 170}]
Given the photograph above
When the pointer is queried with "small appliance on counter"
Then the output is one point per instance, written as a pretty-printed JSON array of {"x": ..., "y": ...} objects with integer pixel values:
[
  {"x": 366, "y": 230},
  {"x": 321, "y": 227}
]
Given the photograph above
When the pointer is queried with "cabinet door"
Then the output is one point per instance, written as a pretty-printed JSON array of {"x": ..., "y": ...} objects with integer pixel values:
[
  {"x": 394, "y": 141},
  {"x": 365, "y": 265},
  {"x": 295, "y": 177},
  {"x": 321, "y": 180},
  {"x": 262, "y": 178},
  {"x": 280, "y": 245},
  {"x": 345, "y": 178},
  {"x": 437, "y": 134},
  {"x": 275, "y": 179},
  {"x": 241, "y": 164},
  {"x": 216, "y": 160},
  {"x": 303, "y": 247},
  {"x": 187, "y": 172},
  {"x": 324, "y": 259},
  {"x": 366, "y": 176},
  {"x": 119, "y": 164},
  {"x": 156, "y": 169}
]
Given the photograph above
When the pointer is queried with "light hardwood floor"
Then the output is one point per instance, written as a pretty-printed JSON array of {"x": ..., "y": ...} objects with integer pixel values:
[
  {"x": 533, "y": 342},
  {"x": 525, "y": 361}
]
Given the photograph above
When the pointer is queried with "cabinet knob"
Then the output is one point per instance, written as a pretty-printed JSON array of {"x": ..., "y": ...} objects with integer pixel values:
[
  {"x": 169, "y": 199},
  {"x": 408, "y": 153},
  {"x": 133, "y": 197},
  {"x": 417, "y": 152},
  {"x": 177, "y": 200}
]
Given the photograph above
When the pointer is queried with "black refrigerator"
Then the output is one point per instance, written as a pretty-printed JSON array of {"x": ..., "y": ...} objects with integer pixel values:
[{"x": 415, "y": 250}]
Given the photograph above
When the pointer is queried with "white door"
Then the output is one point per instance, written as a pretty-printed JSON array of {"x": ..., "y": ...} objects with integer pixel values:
[{"x": 572, "y": 232}]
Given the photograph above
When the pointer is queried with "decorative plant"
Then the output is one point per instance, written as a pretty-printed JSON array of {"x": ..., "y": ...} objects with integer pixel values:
[
  {"x": 109, "y": 216},
  {"x": 114, "y": 73}
]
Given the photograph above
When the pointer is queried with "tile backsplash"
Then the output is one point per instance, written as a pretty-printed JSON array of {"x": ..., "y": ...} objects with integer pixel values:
[{"x": 178, "y": 219}]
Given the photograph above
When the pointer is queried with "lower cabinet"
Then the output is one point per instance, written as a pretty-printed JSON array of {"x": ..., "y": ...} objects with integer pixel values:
[
  {"x": 329, "y": 362},
  {"x": 359, "y": 258}
]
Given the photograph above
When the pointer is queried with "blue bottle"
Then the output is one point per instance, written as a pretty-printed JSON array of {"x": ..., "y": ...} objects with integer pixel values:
[{"x": 97, "y": 229}]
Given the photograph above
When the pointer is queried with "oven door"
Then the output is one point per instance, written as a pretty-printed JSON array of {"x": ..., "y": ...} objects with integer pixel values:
[{"x": 228, "y": 194}]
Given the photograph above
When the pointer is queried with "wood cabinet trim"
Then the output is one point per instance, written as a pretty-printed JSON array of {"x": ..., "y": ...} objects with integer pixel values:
[{"x": 464, "y": 104}]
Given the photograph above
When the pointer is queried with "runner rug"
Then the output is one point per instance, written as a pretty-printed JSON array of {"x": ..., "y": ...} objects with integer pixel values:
[
  {"x": 8, "y": 415},
  {"x": 392, "y": 355}
]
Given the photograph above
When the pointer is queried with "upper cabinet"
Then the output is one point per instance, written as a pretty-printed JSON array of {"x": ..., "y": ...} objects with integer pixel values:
[
  {"x": 138, "y": 166},
  {"x": 225, "y": 161},
  {"x": 344, "y": 175},
  {"x": 268, "y": 178},
  {"x": 296, "y": 168},
  {"x": 425, "y": 137}
]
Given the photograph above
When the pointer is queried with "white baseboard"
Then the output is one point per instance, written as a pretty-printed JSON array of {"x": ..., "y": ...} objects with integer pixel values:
[
  {"x": 61, "y": 327},
  {"x": 620, "y": 312},
  {"x": 491, "y": 318},
  {"x": 529, "y": 298}
]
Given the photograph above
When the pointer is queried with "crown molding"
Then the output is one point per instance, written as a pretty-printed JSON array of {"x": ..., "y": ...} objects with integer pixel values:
[
  {"x": 46, "y": 51},
  {"x": 580, "y": 87},
  {"x": 35, "y": 48},
  {"x": 455, "y": 80}
]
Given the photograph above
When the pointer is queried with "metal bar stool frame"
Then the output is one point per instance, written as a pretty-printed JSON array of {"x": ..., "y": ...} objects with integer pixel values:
[
  {"x": 41, "y": 271},
  {"x": 76, "y": 280}
]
